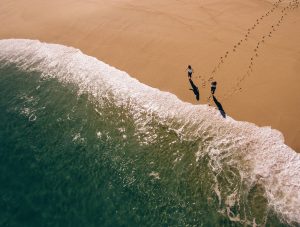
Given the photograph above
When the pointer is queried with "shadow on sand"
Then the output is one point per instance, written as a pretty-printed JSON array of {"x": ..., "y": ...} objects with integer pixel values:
[
  {"x": 218, "y": 104},
  {"x": 195, "y": 89}
]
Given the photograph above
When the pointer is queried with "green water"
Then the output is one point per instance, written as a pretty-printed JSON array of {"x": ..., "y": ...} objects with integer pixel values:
[{"x": 67, "y": 159}]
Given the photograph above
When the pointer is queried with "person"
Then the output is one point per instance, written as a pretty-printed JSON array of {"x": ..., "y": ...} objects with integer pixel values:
[
  {"x": 190, "y": 71},
  {"x": 213, "y": 87}
]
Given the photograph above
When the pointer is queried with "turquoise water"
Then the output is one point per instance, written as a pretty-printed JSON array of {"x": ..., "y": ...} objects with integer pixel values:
[
  {"x": 67, "y": 161},
  {"x": 84, "y": 144}
]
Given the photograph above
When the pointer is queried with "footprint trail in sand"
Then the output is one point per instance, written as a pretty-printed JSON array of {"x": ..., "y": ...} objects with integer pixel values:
[{"x": 240, "y": 59}]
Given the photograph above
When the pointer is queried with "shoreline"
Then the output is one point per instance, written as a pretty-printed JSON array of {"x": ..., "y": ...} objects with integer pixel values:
[{"x": 154, "y": 42}]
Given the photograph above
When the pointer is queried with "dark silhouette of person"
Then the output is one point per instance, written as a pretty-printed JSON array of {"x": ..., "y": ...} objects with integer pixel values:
[
  {"x": 218, "y": 104},
  {"x": 195, "y": 89},
  {"x": 190, "y": 71},
  {"x": 213, "y": 87}
]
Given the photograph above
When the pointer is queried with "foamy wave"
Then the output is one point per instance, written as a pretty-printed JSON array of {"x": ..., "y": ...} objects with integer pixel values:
[{"x": 258, "y": 152}]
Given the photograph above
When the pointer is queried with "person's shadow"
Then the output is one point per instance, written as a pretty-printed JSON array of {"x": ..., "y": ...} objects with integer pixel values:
[
  {"x": 218, "y": 104},
  {"x": 195, "y": 89}
]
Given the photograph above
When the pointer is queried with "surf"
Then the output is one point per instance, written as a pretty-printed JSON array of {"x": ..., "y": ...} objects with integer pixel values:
[{"x": 256, "y": 155}]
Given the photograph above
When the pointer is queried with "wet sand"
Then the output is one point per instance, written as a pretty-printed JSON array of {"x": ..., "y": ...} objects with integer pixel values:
[{"x": 251, "y": 48}]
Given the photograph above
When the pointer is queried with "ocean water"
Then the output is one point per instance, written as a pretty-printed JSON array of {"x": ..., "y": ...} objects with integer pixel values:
[{"x": 84, "y": 144}]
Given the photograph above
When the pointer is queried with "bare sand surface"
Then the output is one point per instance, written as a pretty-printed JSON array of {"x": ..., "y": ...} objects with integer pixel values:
[{"x": 251, "y": 48}]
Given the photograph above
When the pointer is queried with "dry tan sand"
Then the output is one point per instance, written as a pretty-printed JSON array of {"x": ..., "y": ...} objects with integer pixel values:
[{"x": 155, "y": 40}]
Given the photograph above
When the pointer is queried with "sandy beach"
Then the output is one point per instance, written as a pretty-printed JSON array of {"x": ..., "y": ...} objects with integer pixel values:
[{"x": 251, "y": 48}]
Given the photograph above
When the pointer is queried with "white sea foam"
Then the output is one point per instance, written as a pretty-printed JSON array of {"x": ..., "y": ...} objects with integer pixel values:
[{"x": 258, "y": 152}]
